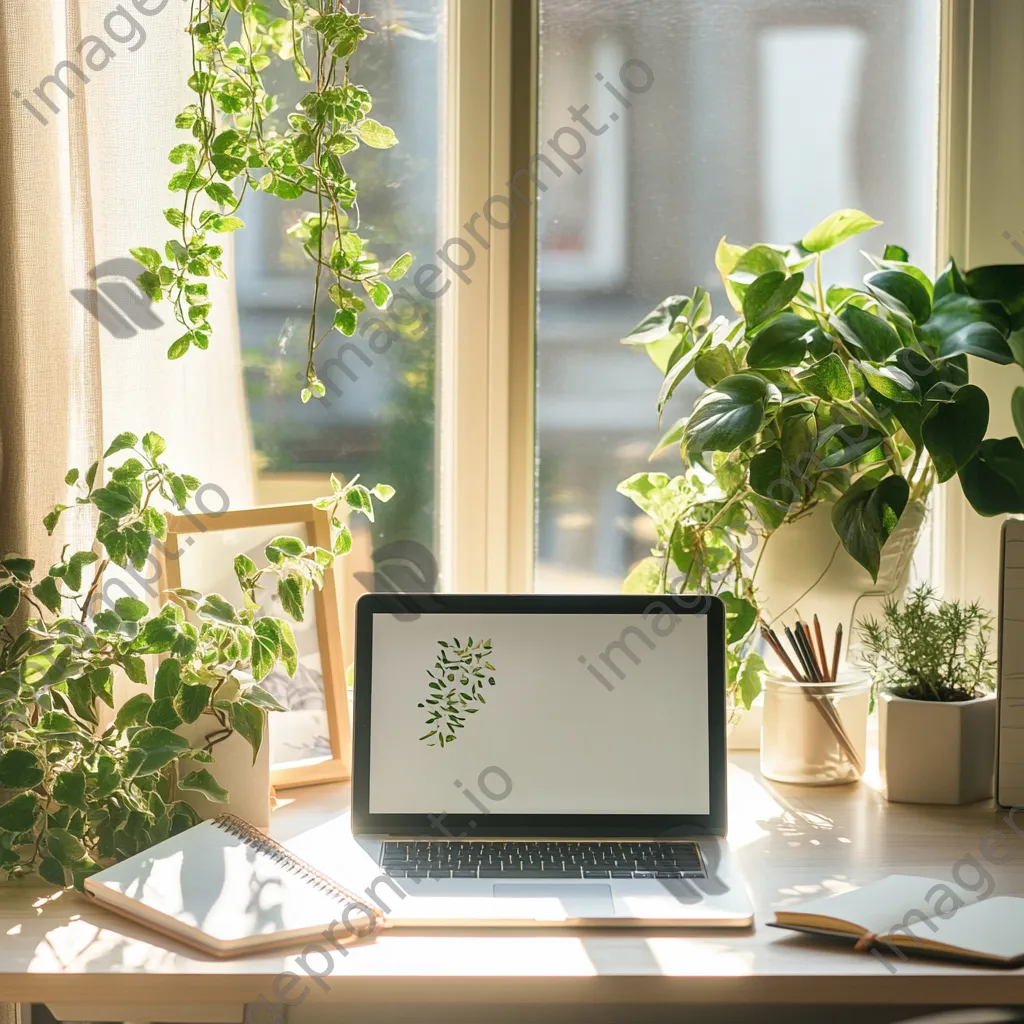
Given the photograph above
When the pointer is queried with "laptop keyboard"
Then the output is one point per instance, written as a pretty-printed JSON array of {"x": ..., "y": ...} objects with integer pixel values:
[{"x": 536, "y": 859}]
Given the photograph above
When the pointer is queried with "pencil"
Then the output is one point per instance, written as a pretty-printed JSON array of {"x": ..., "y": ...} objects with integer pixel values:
[
  {"x": 822, "y": 659},
  {"x": 801, "y": 635},
  {"x": 836, "y": 649},
  {"x": 776, "y": 645},
  {"x": 798, "y": 649}
]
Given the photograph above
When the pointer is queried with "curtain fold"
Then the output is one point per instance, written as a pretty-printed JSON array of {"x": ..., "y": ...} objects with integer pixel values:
[{"x": 84, "y": 138}]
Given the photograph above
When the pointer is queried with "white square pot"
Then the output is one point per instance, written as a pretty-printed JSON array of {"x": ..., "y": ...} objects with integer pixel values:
[
  {"x": 936, "y": 752},
  {"x": 248, "y": 784}
]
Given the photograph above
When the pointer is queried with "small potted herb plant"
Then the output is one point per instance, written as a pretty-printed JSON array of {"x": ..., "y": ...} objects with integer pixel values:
[{"x": 932, "y": 678}]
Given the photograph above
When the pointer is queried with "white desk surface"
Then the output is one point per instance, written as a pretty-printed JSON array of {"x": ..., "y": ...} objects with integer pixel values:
[{"x": 793, "y": 842}]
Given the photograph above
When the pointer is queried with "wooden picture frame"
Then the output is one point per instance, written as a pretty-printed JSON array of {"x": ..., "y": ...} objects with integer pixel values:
[{"x": 183, "y": 534}]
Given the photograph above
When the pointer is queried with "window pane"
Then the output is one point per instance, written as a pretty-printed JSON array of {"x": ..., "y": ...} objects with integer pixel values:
[
  {"x": 752, "y": 119},
  {"x": 378, "y": 416}
]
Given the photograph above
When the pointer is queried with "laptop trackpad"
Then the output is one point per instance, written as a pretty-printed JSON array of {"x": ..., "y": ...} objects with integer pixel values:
[{"x": 582, "y": 900}]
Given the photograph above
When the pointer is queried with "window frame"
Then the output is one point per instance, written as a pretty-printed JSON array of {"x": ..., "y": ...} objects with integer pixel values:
[{"x": 488, "y": 363}]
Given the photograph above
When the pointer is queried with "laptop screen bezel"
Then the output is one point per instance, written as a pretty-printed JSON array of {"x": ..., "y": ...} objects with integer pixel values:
[{"x": 441, "y": 825}]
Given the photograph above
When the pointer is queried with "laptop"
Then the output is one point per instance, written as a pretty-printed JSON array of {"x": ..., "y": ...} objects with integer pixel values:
[{"x": 551, "y": 760}]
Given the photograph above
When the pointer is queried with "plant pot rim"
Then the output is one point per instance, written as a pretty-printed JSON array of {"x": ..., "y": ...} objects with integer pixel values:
[{"x": 939, "y": 703}]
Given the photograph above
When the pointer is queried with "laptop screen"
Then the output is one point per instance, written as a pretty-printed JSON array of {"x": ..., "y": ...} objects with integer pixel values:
[{"x": 539, "y": 714}]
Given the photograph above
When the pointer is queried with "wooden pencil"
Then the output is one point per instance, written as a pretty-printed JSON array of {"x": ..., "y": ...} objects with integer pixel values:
[
  {"x": 799, "y": 651},
  {"x": 776, "y": 645},
  {"x": 836, "y": 649},
  {"x": 822, "y": 658}
]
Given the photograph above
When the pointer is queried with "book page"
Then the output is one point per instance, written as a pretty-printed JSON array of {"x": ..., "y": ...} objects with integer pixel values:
[
  {"x": 222, "y": 886},
  {"x": 993, "y": 927},
  {"x": 891, "y": 903}
]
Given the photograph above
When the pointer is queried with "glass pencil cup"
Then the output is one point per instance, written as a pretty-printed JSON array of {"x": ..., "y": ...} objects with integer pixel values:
[{"x": 815, "y": 734}]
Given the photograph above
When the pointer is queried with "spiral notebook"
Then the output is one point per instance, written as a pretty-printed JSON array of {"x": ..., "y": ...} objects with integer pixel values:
[{"x": 226, "y": 888}]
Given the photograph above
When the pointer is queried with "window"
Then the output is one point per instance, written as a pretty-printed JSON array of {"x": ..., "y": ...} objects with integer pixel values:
[
  {"x": 760, "y": 119},
  {"x": 378, "y": 416}
]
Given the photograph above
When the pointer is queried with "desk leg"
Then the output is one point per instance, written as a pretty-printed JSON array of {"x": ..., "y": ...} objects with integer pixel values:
[{"x": 179, "y": 1014}]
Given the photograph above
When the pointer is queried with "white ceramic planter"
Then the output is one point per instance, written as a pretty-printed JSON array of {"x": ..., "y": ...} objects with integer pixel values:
[
  {"x": 248, "y": 784},
  {"x": 804, "y": 564},
  {"x": 933, "y": 752}
]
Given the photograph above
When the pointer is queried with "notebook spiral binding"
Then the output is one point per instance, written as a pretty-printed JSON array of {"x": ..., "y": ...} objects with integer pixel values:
[{"x": 252, "y": 836}]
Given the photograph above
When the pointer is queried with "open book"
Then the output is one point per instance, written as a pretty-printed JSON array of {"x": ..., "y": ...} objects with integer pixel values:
[
  {"x": 226, "y": 889},
  {"x": 910, "y": 914}
]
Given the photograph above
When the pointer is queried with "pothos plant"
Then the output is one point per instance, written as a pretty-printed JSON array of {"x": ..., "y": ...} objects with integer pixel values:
[
  {"x": 236, "y": 145},
  {"x": 858, "y": 397},
  {"x": 75, "y": 797}
]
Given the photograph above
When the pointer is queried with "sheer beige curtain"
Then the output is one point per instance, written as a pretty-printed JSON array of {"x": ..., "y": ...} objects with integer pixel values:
[
  {"x": 91, "y": 88},
  {"x": 82, "y": 180}
]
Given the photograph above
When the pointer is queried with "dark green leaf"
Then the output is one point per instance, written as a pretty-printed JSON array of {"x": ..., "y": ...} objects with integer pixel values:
[
  {"x": 993, "y": 481},
  {"x": 116, "y": 500},
  {"x": 1016, "y": 407},
  {"x": 152, "y": 748},
  {"x": 866, "y": 515},
  {"x": 843, "y": 448},
  {"x": 167, "y": 681},
  {"x": 69, "y": 790},
  {"x": 896, "y": 252},
  {"x": 740, "y": 616},
  {"x": 827, "y": 378},
  {"x": 163, "y": 713},
  {"x": 770, "y": 477},
  {"x": 891, "y": 382},
  {"x": 952, "y": 431},
  {"x": 191, "y": 701},
  {"x": 874, "y": 337},
  {"x": 730, "y": 413},
  {"x": 133, "y": 711},
  {"x": 76, "y": 563},
  {"x": 978, "y": 339},
  {"x": 768, "y": 295},
  {"x": 902, "y": 292},
  {"x": 248, "y": 721},
  {"x": 47, "y": 594},
  {"x": 64, "y": 847},
  {"x": 781, "y": 343},
  {"x": 135, "y": 669},
  {"x": 20, "y": 568},
  {"x": 19, "y": 814},
  {"x": 10, "y": 598},
  {"x": 1002, "y": 283},
  {"x": 19, "y": 769},
  {"x": 50, "y": 870}
]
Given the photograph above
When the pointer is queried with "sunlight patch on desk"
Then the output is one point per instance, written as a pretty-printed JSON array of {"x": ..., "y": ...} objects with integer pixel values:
[
  {"x": 750, "y": 803},
  {"x": 700, "y": 957}
]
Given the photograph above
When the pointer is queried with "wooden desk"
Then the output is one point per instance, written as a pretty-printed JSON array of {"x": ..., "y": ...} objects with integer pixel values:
[{"x": 793, "y": 842}]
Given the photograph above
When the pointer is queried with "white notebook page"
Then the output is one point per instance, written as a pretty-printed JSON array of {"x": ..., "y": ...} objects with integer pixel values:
[
  {"x": 883, "y": 905},
  {"x": 216, "y": 882}
]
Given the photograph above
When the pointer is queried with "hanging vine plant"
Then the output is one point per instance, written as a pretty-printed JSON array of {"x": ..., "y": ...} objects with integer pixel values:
[{"x": 234, "y": 150}]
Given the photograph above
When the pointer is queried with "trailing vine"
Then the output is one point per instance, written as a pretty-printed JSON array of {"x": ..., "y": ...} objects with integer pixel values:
[{"x": 235, "y": 148}]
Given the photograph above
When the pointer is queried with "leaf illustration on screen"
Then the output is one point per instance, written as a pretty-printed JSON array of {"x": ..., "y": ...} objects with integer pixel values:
[{"x": 455, "y": 688}]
